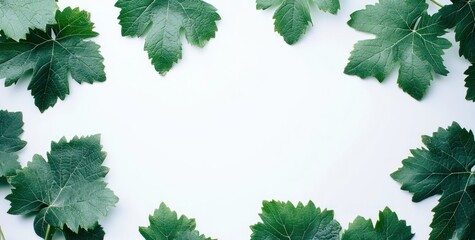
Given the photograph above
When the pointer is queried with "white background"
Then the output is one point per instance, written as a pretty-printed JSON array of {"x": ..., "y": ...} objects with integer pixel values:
[{"x": 248, "y": 118}]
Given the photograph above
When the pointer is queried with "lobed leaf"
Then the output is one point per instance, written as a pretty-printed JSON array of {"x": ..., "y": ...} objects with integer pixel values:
[
  {"x": 11, "y": 124},
  {"x": 461, "y": 16},
  {"x": 293, "y": 17},
  {"x": 388, "y": 227},
  {"x": 406, "y": 35},
  {"x": 444, "y": 168},
  {"x": 163, "y": 21},
  {"x": 284, "y": 221},
  {"x": 470, "y": 83},
  {"x": 165, "y": 225},
  {"x": 51, "y": 55},
  {"x": 68, "y": 190}
]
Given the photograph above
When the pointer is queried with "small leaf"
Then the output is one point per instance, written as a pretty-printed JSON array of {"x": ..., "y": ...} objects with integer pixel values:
[
  {"x": 444, "y": 168},
  {"x": 388, "y": 227},
  {"x": 52, "y": 54},
  {"x": 406, "y": 36},
  {"x": 284, "y": 221},
  {"x": 68, "y": 190},
  {"x": 17, "y": 17},
  {"x": 162, "y": 22},
  {"x": 293, "y": 17},
  {"x": 10, "y": 130},
  {"x": 165, "y": 225}
]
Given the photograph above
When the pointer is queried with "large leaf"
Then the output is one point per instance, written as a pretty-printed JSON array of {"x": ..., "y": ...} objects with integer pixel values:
[
  {"x": 68, "y": 190},
  {"x": 293, "y": 17},
  {"x": 162, "y": 21},
  {"x": 388, "y": 227},
  {"x": 51, "y": 55},
  {"x": 17, "y": 17},
  {"x": 406, "y": 36},
  {"x": 165, "y": 225},
  {"x": 444, "y": 167},
  {"x": 284, "y": 221},
  {"x": 10, "y": 130}
]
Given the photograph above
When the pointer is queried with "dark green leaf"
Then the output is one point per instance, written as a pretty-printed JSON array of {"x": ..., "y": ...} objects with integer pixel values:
[
  {"x": 68, "y": 190},
  {"x": 293, "y": 17},
  {"x": 406, "y": 35},
  {"x": 165, "y": 225},
  {"x": 51, "y": 55},
  {"x": 161, "y": 22},
  {"x": 444, "y": 167},
  {"x": 95, "y": 234},
  {"x": 470, "y": 83},
  {"x": 388, "y": 227},
  {"x": 284, "y": 221},
  {"x": 461, "y": 15},
  {"x": 17, "y": 17},
  {"x": 10, "y": 130}
]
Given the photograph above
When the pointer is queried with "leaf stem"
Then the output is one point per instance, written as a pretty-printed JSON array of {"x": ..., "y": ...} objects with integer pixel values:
[
  {"x": 48, "y": 232},
  {"x": 437, "y": 3},
  {"x": 2, "y": 237}
]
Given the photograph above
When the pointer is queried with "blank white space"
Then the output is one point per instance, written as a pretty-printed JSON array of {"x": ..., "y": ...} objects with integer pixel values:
[{"x": 248, "y": 118}]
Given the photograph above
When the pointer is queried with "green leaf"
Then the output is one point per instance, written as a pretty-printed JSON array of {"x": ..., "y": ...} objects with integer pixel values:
[
  {"x": 165, "y": 225},
  {"x": 388, "y": 227},
  {"x": 10, "y": 130},
  {"x": 17, "y": 17},
  {"x": 460, "y": 14},
  {"x": 97, "y": 233},
  {"x": 293, "y": 17},
  {"x": 470, "y": 83},
  {"x": 284, "y": 221},
  {"x": 444, "y": 167},
  {"x": 406, "y": 36},
  {"x": 68, "y": 190},
  {"x": 161, "y": 22},
  {"x": 51, "y": 55}
]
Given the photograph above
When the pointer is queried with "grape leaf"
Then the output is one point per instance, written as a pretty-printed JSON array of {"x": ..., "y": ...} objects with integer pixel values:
[
  {"x": 10, "y": 130},
  {"x": 51, "y": 55},
  {"x": 68, "y": 190},
  {"x": 388, "y": 227},
  {"x": 284, "y": 221},
  {"x": 460, "y": 14},
  {"x": 293, "y": 17},
  {"x": 470, "y": 83},
  {"x": 17, "y": 17},
  {"x": 97, "y": 233},
  {"x": 165, "y": 225},
  {"x": 444, "y": 167},
  {"x": 161, "y": 22},
  {"x": 406, "y": 35}
]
